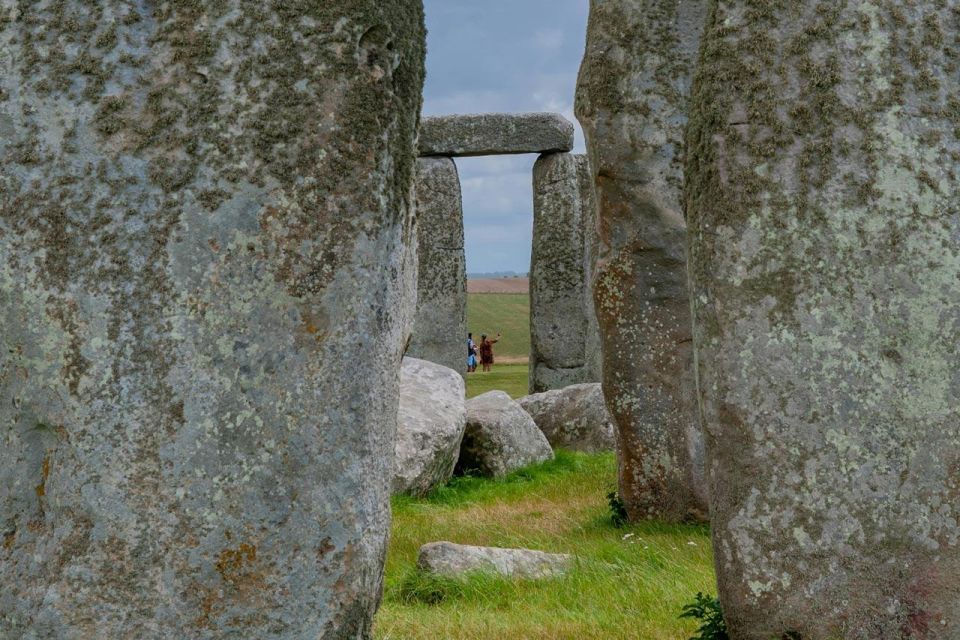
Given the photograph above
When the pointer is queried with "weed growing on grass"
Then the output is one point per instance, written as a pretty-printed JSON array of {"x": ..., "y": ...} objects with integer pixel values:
[
  {"x": 618, "y": 510},
  {"x": 706, "y": 609}
]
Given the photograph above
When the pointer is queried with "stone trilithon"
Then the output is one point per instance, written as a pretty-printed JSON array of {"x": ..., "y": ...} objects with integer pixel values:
[
  {"x": 631, "y": 101},
  {"x": 203, "y": 219},
  {"x": 824, "y": 219}
]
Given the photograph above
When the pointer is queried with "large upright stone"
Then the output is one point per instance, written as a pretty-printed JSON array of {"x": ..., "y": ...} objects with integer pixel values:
[
  {"x": 440, "y": 328},
  {"x": 203, "y": 213},
  {"x": 593, "y": 344},
  {"x": 824, "y": 211},
  {"x": 564, "y": 236},
  {"x": 495, "y": 134},
  {"x": 631, "y": 101}
]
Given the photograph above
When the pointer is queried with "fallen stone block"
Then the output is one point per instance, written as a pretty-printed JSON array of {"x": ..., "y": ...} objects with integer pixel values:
[
  {"x": 574, "y": 417},
  {"x": 500, "y": 437},
  {"x": 429, "y": 428},
  {"x": 449, "y": 559}
]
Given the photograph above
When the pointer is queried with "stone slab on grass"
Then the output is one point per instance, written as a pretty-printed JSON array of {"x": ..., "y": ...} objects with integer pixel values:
[{"x": 453, "y": 560}]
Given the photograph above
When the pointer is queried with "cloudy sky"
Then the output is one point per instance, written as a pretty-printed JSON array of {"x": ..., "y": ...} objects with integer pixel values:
[{"x": 502, "y": 55}]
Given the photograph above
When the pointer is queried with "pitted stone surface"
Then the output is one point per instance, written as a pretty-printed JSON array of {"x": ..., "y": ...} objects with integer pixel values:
[
  {"x": 489, "y": 134},
  {"x": 593, "y": 345},
  {"x": 500, "y": 437},
  {"x": 564, "y": 241},
  {"x": 430, "y": 426},
  {"x": 440, "y": 328},
  {"x": 203, "y": 218},
  {"x": 574, "y": 418},
  {"x": 455, "y": 560},
  {"x": 824, "y": 205},
  {"x": 631, "y": 101}
]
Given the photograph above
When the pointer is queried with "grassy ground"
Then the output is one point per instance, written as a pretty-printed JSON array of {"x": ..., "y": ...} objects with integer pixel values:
[
  {"x": 508, "y": 313},
  {"x": 511, "y": 378},
  {"x": 628, "y": 583}
]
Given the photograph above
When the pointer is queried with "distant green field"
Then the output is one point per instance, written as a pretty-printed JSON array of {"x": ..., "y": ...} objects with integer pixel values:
[
  {"x": 512, "y": 378},
  {"x": 508, "y": 313}
]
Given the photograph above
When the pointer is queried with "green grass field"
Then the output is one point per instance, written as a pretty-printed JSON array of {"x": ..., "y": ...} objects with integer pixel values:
[
  {"x": 512, "y": 378},
  {"x": 629, "y": 582},
  {"x": 508, "y": 313}
]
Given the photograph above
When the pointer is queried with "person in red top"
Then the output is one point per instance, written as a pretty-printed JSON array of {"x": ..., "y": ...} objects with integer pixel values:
[{"x": 486, "y": 351}]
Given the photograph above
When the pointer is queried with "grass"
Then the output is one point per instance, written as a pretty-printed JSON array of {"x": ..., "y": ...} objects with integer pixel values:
[
  {"x": 512, "y": 378},
  {"x": 508, "y": 313},
  {"x": 630, "y": 582}
]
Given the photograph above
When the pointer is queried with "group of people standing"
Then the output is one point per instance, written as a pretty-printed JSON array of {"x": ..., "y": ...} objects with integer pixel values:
[{"x": 485, "y": 349}]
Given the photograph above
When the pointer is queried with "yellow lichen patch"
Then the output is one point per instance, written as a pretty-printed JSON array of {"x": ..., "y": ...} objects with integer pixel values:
[
  {"x": 231, "y": 562},
  {"x": 41, "y": 488}
]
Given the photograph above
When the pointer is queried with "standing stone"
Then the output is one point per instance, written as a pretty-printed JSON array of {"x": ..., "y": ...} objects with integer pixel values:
[
  {"x": 631, "y": 100},
  {"x": 440, "y": 328},
  {"x": 824, "y": 211},
  {"x": 203, "y": 213},
  {"x": 593, "y": 345},
  {"x": 563, "y": 235}
]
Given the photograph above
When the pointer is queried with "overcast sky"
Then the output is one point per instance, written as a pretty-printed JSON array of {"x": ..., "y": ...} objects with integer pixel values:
[{"x": 502, "y": 55}]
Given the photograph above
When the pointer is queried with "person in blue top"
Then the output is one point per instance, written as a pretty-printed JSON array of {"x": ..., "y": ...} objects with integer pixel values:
[{"x": 471, "y": 354}]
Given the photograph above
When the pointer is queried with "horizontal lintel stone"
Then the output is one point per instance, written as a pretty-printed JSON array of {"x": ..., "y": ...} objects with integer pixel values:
[{"x": 495, "y": 134}]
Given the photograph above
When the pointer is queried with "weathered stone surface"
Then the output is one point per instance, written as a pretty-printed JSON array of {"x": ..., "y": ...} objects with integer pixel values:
[
  {"x": 430, "y": 428},
  {"x": 500, "y": 437},
  {"x": 564, "y": 238},
  {"x": 203, "y": 213},
  {"x": 449, "y": 559},
  {"x": 631, "y": 100},
  {"x": 592, "y": 345},
  {"x": 440, "y": 328},
  {"x": 575, "y": 418},
  {"x": 824, "y": 209},
  {"x": 489, "y": 134}
]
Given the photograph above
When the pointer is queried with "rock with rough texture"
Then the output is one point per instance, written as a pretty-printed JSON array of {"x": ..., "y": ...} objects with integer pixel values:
[
  {"x": 430, "y": 426},
  {"x": 489, "y": 134},
  {"x": 593, "y": 344},
  {"x": 631, "y": 101},
  {"x": 440, "y": 327},
  {"x": 564, "y": 235},
  {"x": 500, "y": 437},
  {"x": 575, "y": 418},
  {"x": 204, "y": 208},
  {"x": 455, "y": 560},
  {"x": 824, "y": 205}
]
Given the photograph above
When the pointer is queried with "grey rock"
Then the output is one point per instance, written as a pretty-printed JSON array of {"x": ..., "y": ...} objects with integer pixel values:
[
  {"x": 455, "y": 560},
  {"x": 825, "y": 279},
  {"x": 430, "y": 427},
  {"x": 564, "y": 235},
  {"x": 495, "y": 134},
  {"x": 593, "y": 344},
  {"x": 500, "y": 437},
  {"x": 440, "y": 328},
  {"x": 633, "y": 113},
  {"x": 575, "y": 418},
  {"x": 204, "y": 215}
]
